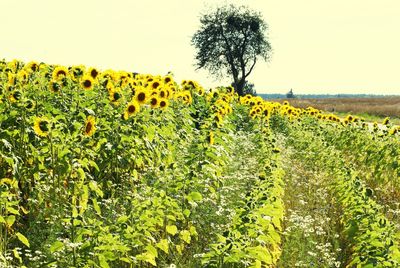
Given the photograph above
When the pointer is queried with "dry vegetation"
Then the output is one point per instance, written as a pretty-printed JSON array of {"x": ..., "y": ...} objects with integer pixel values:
[{"x": 381, "y": 107}]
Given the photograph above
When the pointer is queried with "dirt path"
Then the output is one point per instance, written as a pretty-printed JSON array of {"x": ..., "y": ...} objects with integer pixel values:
[{"x": 310, "y": 238}]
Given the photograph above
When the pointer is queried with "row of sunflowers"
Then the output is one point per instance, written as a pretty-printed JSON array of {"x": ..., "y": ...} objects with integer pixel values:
[{"x": 121, "y": 169}]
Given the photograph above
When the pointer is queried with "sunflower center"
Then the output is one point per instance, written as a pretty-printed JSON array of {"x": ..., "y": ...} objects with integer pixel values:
[
  {"x": 44, "y": 126},
  {"x": 88, "y": 127},
  {"x": 78, "y": 72},
  {"x": 117, "y": 96},
  {"x": 87, "y": 83},
  {"x": 153, "y": 101},
  {"x": 162, "y": 94},
  {"x": 141, "y": 96},
  {"x": 155, "y": 85},
  {"x": 131, "y": 109},
  {"x": 163, "y": 104},
  {"x": 61, "y": 72},
  {"x": 56, "y": 87},
  {"x": 17, "y": 95},
  {"x": 94, "y": 73}
]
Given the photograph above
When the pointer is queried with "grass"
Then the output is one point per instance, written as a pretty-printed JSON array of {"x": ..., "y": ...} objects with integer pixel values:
[{"x": 371, "y": 109}]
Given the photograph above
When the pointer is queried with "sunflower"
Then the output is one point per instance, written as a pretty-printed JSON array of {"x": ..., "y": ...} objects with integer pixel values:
[
  {"x": 59, "y": 73},
  {"x": 23, "y": 76},
  {"x": 200, "y": 91},
  {"x": 11, "y": 79},
  {"x": 132, "y": 109},
  {"x": 93, "y": 72},
  {"x": 187, "y": 97},
  {"x": 90, "y": 126},
  {"x": 41, "y": 126},
  {"x": 32, "y": 66},
  {"x": 163, "y": 103},
  {"x": 15, "y": 96},
  {"x": 154, "y": 85},
  {"x": 30, "y": 105},
  {"x": 218, "y": 119},
  {"x": 386, "y": 121},
  {"x": 162, "y": 93},
  {"x": 77, "y": 72},
  {"x": 141, "y": 95},
  {"x": 154, "y": 102},
  {"x": 87, "y": 82},
  {"x": 115, "y": 96},
  {"x": 54, "y": 86}
]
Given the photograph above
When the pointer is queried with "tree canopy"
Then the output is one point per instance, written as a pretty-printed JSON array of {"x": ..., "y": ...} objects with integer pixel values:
[{"x": 230, "y": 41}]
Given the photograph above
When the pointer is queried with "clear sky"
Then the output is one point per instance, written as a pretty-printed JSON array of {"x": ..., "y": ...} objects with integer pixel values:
[{"x": 319, "y": 46}]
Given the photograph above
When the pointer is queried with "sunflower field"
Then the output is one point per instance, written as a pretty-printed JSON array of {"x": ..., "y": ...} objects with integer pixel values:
[{"x": 119, "y": 169}]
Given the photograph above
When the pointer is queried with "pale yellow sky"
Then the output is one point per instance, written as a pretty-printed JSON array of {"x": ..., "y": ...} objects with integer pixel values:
[{"x": 320, "y": 46}]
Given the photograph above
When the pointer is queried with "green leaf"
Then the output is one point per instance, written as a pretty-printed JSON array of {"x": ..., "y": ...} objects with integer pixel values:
[
  {"x": 10, "y": 220},
  {"x": 260, "y": 253},
  {"x": 23, "y": 239},
  {"x": 94, "y": 187},
  {"x": 96, "y": 206},
  {"x": 186, "y": 212},
  {"x": 152, "y": 250},
  {"x": 147, "y": 257},
  {"x": 2, "y": 219},
  {"x": 171, "y": 229},
  {"x": 163, "y": 245},
  {"x": 195, "y": 196},
  {"x": 185, "y": 236},
  {"x": 12, "y": 210},
  {"x": 56, "y": 246},
  {"x": 122, "y": 219},
  {"x": 103, "y": 262},
  {"x": 17, "y": 256}
]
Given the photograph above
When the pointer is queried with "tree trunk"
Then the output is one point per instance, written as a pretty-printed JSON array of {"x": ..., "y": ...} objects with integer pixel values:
[{"x": 239, "y": 86}]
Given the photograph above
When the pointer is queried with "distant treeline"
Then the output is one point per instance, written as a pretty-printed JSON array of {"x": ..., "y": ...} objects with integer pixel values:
[{"x": 321, "y": 96}]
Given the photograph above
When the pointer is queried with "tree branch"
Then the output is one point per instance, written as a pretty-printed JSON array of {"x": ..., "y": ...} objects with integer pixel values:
[{"x": 252, "y": 66}]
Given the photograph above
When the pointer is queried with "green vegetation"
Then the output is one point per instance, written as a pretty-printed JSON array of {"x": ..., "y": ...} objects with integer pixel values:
[{"x": 114, "y": 169}]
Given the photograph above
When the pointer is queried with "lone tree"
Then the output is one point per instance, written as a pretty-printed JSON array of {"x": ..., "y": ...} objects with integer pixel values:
[{"x": 230, "y": 41}]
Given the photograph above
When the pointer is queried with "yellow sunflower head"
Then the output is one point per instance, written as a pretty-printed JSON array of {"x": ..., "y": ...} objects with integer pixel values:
[
  {"x": 87, "y": 82},
  {"x": 30, "y": 105},
  {"x": 32, "y": 66},
  {"x": 11, "y": 78},
  {"x": 154, "y": 85},
  {"x": 15, "y": 96},
  {"x": 23, "y": 76},
  {"x": 90, "y": 126},
  {"x": 386, "y": 121},
  {"x": 154, "y": 101},
  {"x": 55, "y": 86},
  {"x": 77, "y": 72},
  {"x": 163, "y": 103},
  {"x": 187, "y": 97},
  {"x": 163, "y": 93},
  {"x": 167, "y": 79},
  {"x": 41, "y": 126},
  {"x": 217, "y": 119},
  {"x": 141, "y": 95},
  {"x": 93, "y": 72},
  {"x": 115, "y": 96},
  {"x": 131, "y": 109},
  {"x": 59, "y": 73}
]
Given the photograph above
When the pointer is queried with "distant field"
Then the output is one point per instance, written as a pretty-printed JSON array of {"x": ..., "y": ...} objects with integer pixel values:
[{"x": 371, "y": 108}]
